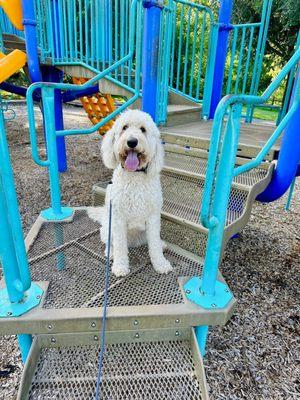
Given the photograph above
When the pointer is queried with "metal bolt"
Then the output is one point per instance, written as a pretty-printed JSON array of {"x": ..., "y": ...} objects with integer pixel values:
[
  {"x": 226, "y": 290},
  {"x": 9, "y": 313},
  {"x": 50, "y": 326},
  {"x": 177, "y": 321},
  {"x": 188, "y": 291},
  {"x": 53, "y": 340},
  {"x": 93, "y": 324},
  {"x": 38, "y": 296},
  {"x": 137, "y": 335},
  {"x": 95, "y": 337},
  {"x": 177, "y": 333},
  {"x": 201, "y": 292},
  {"x": 135, "y": 322},
  {"x": 214, "y": 305}
]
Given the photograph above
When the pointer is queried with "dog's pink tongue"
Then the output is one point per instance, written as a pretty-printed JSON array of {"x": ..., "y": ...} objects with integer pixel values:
[{"x": 132, "y": 161}]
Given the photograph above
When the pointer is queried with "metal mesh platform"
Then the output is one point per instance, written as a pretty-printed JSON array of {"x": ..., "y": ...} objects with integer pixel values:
[
  {"x": 197, "y": 165},
  {"x": 70, "y": 257},
  {"x": 155, "y": 369}
]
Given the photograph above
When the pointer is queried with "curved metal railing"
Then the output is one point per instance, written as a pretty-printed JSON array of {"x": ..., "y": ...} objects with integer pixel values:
[{"x": 221, "y": 164}]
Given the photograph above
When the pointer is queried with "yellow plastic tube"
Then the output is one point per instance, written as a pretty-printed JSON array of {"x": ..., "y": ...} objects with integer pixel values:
[{"x": 11, "y": 63}]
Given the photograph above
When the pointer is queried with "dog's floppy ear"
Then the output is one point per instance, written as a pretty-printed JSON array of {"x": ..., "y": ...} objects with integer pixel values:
[
  {"x": 107, "y": 149},
  {"x": 157, "y": 162}
]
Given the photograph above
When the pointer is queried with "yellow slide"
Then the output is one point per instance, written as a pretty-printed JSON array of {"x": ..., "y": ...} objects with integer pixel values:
[
  {"x": 11, "y": 63},
  {"x": 13, "y": 9}
]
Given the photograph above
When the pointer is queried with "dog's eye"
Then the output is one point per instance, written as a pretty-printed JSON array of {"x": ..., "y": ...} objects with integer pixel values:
[
  {"x": 143, "y": 129},
  {"x": 125, "y": 127}
]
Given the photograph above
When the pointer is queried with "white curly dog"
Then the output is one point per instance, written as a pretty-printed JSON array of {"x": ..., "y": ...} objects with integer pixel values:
[{"x": 133, "y": 149}]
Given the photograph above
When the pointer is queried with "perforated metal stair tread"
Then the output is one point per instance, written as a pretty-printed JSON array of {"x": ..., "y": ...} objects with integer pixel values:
[
  {"x": 197, "y": 165},
  {"x": 164, "y": 369},
  {"x": 70, "y": 257}
]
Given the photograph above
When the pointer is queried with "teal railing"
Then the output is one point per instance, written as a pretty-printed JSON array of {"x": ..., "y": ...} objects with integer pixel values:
[
  {"x": 221, "y": 164},
  {"x": 193, "y": 47},
  {"x": 89, "y": 33},
  {"x": 48, "y": 95}
]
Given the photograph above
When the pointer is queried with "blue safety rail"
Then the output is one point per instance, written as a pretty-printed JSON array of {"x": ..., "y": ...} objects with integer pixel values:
[
  {"x": 193, "y": 47},
  {"x": 222, "y": 157}
]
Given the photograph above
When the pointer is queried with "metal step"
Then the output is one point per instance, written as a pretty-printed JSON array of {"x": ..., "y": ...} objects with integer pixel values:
[
  {"x": 151, "y": 365},
  {"x": 68, "y": 259},
  {"x": 182, "y": 181}
]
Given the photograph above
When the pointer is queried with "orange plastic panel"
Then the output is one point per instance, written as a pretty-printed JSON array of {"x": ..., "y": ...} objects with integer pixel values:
[{"x": 97, "y": 106}]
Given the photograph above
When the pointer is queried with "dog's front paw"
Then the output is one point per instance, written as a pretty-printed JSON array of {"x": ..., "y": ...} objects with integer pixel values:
[
  {"x": 162, "y": 266},
  {"x": 120, "y": 269}
]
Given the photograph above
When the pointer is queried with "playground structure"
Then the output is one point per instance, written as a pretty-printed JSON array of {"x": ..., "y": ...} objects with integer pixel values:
[{"x": 56, "y": 291}]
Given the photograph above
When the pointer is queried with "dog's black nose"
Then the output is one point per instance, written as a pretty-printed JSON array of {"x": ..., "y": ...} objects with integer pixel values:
[{"x": 132, "y": 143}]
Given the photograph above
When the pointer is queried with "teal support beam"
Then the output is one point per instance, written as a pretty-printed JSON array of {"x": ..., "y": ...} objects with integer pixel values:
[{"x": 25, "y": 342}]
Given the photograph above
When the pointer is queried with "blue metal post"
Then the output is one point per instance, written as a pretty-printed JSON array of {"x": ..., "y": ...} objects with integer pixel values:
[
  {"x": 51, "y": 74},
  {"x": 153, "y": 9},
  {"x": 221, "y": 54},
  {"x": 25, "y": 342},
  {"x": 29, "y": 22}
]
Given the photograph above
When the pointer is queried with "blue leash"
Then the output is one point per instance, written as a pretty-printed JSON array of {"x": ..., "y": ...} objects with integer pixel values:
[{"x": 102, "y": 351}]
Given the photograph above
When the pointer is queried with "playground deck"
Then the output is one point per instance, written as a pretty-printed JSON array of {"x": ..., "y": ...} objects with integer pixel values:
[{"x": 252, "y": 137}]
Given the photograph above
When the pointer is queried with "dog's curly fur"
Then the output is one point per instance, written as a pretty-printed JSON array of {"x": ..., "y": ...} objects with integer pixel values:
[{"x": 136, "y": 196}]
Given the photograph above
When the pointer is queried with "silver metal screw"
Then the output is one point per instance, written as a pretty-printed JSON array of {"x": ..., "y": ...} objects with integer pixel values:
[
  {"x": 188, "y": 291},
  {"x": 137, "y": 335},
  {"x": 201, "y": 292},
  {"x": 177, "y": 333},
  {"x": 53, "y": 340},
  {"x": 93, "y": 324},
  {"x": 9, "y": 313},
  {"x": 135, "y": 322},
  {"x": 38, "y": 296},
  {"x": 50, "y": 326},
  {"x": 95, "y": 337},
  {"x": 226, "y": 290},
  {"x": 177, "y": 321},
  {"x": 214, "y": 305}
]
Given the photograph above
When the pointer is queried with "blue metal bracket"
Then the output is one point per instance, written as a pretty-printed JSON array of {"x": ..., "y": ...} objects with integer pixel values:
[
  {"x": 225, "y": 27},
  {"x": 32, "y": 299},
  {"x": 220, "y": 299},
  {"x": 50, "y": 215},
  {"x": 153, "y": 3}
]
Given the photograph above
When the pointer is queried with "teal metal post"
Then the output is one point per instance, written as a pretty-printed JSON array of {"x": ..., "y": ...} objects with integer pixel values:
[
  {"x": 56, "y": 211},
  {"x": 19, "y": 295},
  {"x": 11, "y": 229},
  {"x": 290, "y": 195},
  {"x": 25, "y": 342},
  {"x": 221, "y": 54}
]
